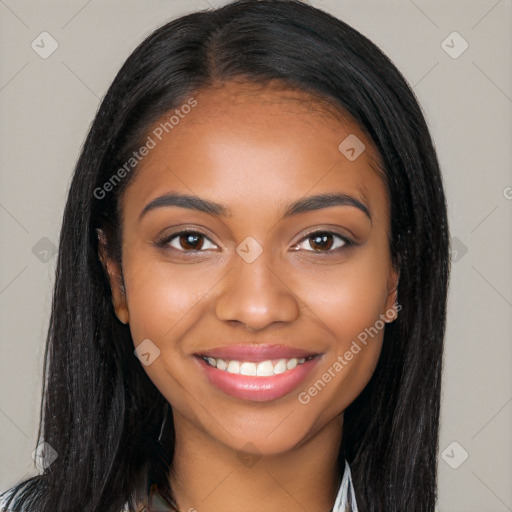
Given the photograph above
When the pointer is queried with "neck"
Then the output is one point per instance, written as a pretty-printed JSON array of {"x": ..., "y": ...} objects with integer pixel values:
[{"x": 208, "y": 476}]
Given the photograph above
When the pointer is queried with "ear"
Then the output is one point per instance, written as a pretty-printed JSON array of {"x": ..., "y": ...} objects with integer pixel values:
[
  {"x": 392, "y": 297},
  {"x": 115, "y": 277}
]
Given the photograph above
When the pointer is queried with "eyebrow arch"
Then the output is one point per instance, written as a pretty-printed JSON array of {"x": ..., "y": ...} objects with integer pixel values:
[
  {"x": 305, "y": 204},
  {"x": 324, "y": 201},
  {"x": 187, "y": 201}
]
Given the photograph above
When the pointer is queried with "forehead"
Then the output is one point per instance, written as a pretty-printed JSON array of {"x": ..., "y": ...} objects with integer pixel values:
[
  {"x": 268, "y": 98},
  {"x": 246, "y": 143}
]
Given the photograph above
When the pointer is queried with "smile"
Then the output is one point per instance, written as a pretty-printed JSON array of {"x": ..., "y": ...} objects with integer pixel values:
[
  {"x": 258, "y": 373},
  {"x": 259, "y": 369}
]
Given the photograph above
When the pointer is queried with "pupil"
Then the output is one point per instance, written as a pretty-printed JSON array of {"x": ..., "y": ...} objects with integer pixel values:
[
  {"x": 322, "y": 239},
  {"x": 190, "y": 241}
]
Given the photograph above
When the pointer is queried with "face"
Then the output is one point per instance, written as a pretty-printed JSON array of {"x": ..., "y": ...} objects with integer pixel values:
[{"x": 257, "y": 320}]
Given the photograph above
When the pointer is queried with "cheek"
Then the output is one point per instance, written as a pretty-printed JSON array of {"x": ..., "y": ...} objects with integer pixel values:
[
  {"x": 347, "y": 298},
  {"x": 349, "y": 301},
  {"x": 161, "y": 297},
  {"x": 164, "y": 301}
]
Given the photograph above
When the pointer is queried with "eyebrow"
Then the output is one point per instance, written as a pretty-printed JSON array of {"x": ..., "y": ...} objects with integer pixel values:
[{"x": 306, "y": 204}]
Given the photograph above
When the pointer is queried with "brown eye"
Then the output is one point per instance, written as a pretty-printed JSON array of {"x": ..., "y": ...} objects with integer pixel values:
[
  {"x": 324, "y": 241},
  {"x": 321, "y": 241},
  {"x": 191, "y": 241},
  {"x": 187, "y": 241}
]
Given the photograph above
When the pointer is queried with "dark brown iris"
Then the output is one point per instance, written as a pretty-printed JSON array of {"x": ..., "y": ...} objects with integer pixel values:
[
  {"x": 321, "y": 241},
  {"x": 191, "y": 241}
]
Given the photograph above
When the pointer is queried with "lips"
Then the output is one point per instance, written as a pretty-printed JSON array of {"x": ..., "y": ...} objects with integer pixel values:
[{"x": 256, "y": 372}]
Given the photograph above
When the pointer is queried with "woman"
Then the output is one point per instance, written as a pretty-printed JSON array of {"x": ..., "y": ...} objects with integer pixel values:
[{"x": 250, "y": 300}]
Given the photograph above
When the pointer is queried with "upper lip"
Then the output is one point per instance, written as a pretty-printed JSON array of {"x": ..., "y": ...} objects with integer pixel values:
[{"x": 256, "y": 352}]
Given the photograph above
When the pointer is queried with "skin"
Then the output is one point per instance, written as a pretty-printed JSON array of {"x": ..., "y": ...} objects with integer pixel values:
[{"x": 255, "y": 149}]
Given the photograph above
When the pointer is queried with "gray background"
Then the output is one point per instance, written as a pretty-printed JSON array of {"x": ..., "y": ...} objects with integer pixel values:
[{"x": 47, "y": 105}]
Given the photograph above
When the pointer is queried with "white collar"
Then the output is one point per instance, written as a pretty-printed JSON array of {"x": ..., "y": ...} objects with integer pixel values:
[{"x": 346, "y": 498}]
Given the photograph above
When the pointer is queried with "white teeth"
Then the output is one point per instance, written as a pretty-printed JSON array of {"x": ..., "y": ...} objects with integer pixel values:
[
  {"x": 291, "y": 364},
  {"x": 262, "y": 369},
  {"x": 234, "y": 367},
  {"x": 221, "y": 364},
  {"x": 265, "y": 369},
  {"x": 280, "y": 367},
  {"x": 248, "y": 369}
]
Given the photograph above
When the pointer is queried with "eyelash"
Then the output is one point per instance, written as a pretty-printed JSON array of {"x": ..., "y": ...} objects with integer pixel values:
[{"x": 165, "y": 240}]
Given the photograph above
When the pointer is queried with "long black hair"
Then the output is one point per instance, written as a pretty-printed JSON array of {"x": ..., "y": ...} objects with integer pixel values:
[{"x": 100, "y": 412}]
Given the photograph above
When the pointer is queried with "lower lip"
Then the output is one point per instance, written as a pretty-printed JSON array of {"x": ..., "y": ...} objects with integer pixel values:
[{"x": 257, "y": 389}]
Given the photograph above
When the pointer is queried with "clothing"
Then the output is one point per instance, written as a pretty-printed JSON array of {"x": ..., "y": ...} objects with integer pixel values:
[{"x": 345, "y": 499}]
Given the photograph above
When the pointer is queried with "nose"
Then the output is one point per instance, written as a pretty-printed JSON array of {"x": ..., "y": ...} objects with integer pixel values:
[{"x": 255, "y": 295}]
